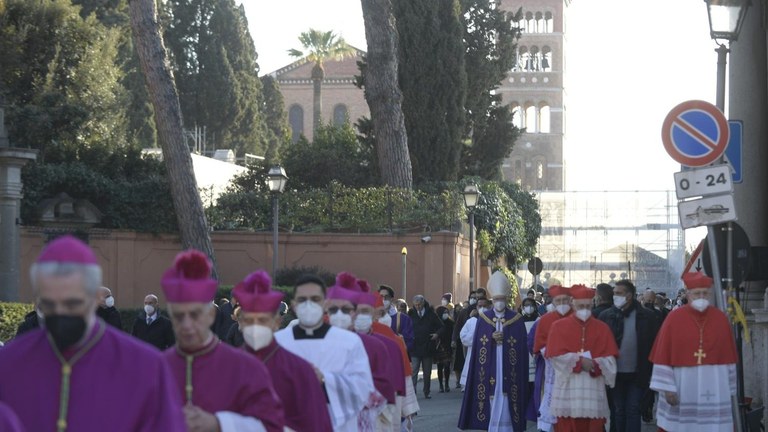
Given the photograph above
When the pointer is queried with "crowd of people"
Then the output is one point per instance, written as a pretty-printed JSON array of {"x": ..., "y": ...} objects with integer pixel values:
[{"x": 350, "y": 357}]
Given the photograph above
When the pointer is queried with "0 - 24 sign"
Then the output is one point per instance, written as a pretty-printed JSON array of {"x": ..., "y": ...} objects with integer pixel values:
[{"x": 707, "y": 181}]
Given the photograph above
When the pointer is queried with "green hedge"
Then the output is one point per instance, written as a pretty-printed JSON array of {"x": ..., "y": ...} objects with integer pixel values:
[{"x": 11, "y": 315}]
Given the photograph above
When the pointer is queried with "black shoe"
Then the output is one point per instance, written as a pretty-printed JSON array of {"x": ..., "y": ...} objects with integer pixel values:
[
  {"x": 447, "y": 389},
  {"x": 441, "y": 389},
  {"x": 427, "y": 396}
]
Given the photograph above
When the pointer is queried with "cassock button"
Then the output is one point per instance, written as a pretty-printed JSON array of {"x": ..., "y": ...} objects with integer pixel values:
[
  {"x": 62, "y": 424},
  {"x": 66, "y": 369}
]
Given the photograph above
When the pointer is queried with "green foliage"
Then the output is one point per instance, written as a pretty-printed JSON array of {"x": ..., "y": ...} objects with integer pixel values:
[
  {"x": 214, "y": 61},
  {"x": 320, "y": 46},
  {"x": 433, "y": 79},
  {"x": 275, "y": 117},
  {"x": 335, "y": 155},
  {"x": 130, "y": 190},
  {"x": 11, "y": 315}
]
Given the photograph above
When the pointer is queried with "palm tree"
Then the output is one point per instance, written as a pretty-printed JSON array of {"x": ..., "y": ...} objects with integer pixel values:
[{"x": 319, "y": 46}]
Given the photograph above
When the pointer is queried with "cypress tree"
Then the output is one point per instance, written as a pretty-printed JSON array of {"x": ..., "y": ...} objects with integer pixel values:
[{"x": 433, "y": 79}]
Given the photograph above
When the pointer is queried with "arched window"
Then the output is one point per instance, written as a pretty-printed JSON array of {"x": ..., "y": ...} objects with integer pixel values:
[
  {"x": 523, "y": 59},
  {"x": 530, "y": 118},
  {"x": 296, "y": 120},
  {"x": 535, "y": 64},
  {"x": 520, "y": 24},
  {"x": 540, "y": 28},
  {"x": 530, "y": 23},
  {"x": 340, "y": 115},
  {"x": 548, "y": 23},
  {"x": 517, "y": 115},
  {"x": 544, "y": 118},
  {"x": 546, "y": 59}
]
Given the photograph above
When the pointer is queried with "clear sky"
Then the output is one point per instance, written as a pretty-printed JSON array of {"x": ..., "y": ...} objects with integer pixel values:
[{"x": 627, "y": 64}]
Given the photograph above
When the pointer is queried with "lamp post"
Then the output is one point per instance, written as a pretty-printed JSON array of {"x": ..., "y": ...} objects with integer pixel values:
[
  {"x": 471, "y": 195},
  {"x": 276, "y": 180},
  {"x": 726, "y": 18},
  {"x": 404, "y": 253}
]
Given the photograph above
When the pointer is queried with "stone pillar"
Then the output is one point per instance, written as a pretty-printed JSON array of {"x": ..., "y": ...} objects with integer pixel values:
[{"x": 11, "y": 162}]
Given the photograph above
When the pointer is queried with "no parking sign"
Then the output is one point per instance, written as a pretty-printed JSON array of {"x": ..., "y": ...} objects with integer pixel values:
[{"x": 695, "y": 133}]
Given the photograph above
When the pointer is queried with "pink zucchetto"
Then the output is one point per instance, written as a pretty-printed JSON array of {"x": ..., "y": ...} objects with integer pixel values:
[
  {"x": 255, "y": 293},
  {"x": 189, "y": 279},
  {"x": 67, "y": 249},
  {"x": 365, "y": 296},
  {"x": 345, "y": 288}
]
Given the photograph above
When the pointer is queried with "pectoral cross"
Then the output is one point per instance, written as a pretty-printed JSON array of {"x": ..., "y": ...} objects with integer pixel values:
[{"x": 700, "y": 354}]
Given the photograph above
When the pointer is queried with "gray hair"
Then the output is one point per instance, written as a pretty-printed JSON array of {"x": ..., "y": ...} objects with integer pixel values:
[
  {"x": 91, "y": 274},
  {"x": 419, "y": 298}
]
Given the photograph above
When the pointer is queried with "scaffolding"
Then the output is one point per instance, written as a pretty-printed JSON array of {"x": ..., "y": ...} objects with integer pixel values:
[{"x": 593, "y": 237}]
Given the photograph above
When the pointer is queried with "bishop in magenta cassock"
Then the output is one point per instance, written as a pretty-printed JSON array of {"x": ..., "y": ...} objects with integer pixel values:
[
  {"x": 545, "y": 374},
  {"x": 294, "y": 378},
  {"x": 94, "y": 377},
  {"x": 363, "y": 322},
  {"x": 495, "y": 395},
  {"x": 694, "y": 364},
  {"x": 223, "y": 388},
  {"x": 583, "y": 352},
  {"x": 337, "y": 355}
]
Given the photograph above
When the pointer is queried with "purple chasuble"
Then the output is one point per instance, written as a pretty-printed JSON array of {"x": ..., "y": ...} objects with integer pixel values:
[
  {"x": 481, "y": 378},
  {"x": 296, "y": 383},
  {"x": 227, "y": 379},
  {"x": 378, "y": 358},
  {"x": 534, "y": 401},
  {"x": 9, "y": 421},
  {"x": 395, "y": 360},
  {"x": 120, "y": 384}
]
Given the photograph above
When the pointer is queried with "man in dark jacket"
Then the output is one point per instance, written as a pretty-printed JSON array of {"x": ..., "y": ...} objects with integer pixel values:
[
  {"x": 31, "y": 322},
  {"x": 604, "y": 299},
  {"x": 153, "y": 328},
  {"x": 107, "y": 310},
  {"x": 634, "y": 327},
  {"x": 425, "y": 327}
]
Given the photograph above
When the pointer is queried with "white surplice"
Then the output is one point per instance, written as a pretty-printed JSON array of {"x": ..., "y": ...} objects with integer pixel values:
[
  {"x": 342, "y": 359},
  {"x": 467, "y": 335},
  {"x": 501, "y": 418},
  {"x": 546, "y": 420},
  {"x": 705, "y": 397},
  {"x": 580, "y": 395}
]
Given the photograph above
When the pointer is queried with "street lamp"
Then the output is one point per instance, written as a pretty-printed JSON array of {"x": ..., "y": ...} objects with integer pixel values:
[
  {"x": 471, "y": 195},
  {"x": 404, "y": 253},
  {"x": 725, "y": 20},
  {"x": 276, "y": 180}
]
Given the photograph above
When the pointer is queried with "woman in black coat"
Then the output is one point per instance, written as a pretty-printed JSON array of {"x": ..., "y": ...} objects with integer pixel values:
[{"x": 443, "y": 351}]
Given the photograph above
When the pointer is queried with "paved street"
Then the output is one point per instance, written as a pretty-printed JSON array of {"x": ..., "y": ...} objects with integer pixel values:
[{"x": 441, "y": 413}]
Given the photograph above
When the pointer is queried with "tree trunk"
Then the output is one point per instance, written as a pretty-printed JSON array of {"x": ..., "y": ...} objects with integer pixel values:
[
  {"x": 318, "y": 75},
  {"x": 382, "y": 92},
  {"x": 193, "y": 226}
]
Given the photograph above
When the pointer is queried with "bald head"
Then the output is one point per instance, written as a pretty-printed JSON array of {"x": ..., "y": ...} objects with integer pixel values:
[{"x": 102, "y": 294}]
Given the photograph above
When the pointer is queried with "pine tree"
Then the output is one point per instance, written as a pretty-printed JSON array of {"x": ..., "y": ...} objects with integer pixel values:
[
  {"x": 433, "y": 80},
  {"x": 273, "y": 108}
]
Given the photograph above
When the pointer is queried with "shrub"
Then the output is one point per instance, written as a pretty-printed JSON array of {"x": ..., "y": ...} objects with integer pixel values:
[{"x": 11, "y": 315}]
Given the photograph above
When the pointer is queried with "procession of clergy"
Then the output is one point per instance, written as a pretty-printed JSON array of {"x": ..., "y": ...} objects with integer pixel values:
[{"x": 338, "y": 368}]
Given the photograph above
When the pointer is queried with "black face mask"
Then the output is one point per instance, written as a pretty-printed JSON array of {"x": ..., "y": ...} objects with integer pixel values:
[{"x": 65, "y": 330}]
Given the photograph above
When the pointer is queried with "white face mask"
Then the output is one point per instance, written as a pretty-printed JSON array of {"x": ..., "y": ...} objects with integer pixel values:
[
  {"x": 472, "y": 301},
  {"x": 309, "y": 313},
  {"x": 386, "y": 320},
  {"x": 363, "y": 323},
  {"x": 499, "y": 305},
  {"x": 444, "y": 302},
  {"x": 257, "y": 336},
  {"x": 445, "y": 316},
  {"x": 583, "y": 314},
  {"x": 341, "y": 320},
  {"x": 563, "y": 309},
  {"x": 528, "y": 310},
  {"x": 700, "y": 304},
  {"x": 387, "y": 303},
  {"x": 550, "y": 307},
  {"x": 619, "y": 301},
  {"x": 149, "y": 309},
  {"x": 109, "y": 301}
]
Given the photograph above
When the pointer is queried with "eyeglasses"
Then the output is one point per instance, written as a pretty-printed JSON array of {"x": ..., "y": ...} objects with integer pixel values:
[{"x": 344, "y": 309}]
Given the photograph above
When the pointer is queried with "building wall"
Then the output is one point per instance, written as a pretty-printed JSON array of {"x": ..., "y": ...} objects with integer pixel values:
[
  {"x": 535, "y": 91},
  {"x": 338, "y": 88},
  {"x": 133, "y": 263}
]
